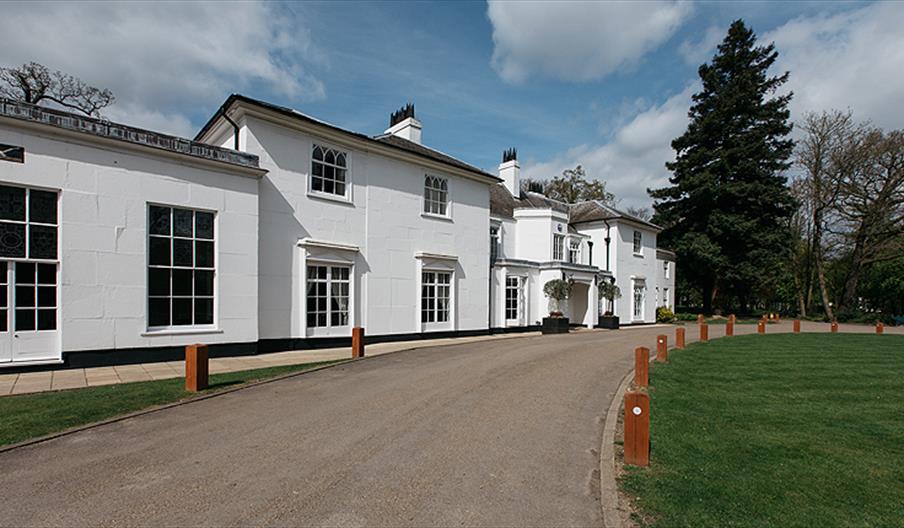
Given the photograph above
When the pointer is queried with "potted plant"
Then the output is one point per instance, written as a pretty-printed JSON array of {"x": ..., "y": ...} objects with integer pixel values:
[
  {"x": 609, "y": 291},
  {"x": 557, "y": 290}
]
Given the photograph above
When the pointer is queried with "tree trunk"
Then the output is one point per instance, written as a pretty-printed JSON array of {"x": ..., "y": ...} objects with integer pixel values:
[
  {"x": 801, "y": 304},
  {"x": 826, "y": 303}
]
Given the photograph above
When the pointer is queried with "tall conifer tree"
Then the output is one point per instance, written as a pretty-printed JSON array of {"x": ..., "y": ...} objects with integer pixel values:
[{"x": 727, "y": 208}]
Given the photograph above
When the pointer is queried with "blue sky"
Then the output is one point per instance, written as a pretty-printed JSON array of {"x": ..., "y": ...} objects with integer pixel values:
[{"x": 606, "y": 85}]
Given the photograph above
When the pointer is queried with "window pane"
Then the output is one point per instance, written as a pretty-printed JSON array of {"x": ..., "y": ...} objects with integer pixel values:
[
  {"x": 329, "y": 186},
  {"x": 318, "y": 153},
  {"x": 25, "y": 320},
  {"x": 182, "y": 254},
  {"x": 317, "y": 183},
  {"x": 12, "y": 240},
  {"x": 12, "y": 203},
  {"x": 182, "y": 282},
  {"x": 25, "y": 296},
  {"x": 340, "y": 160},
  {"x": 203, "y": 311},
  {"x": 340, "y": 189},
  {"x": 158, "y": 281},
  {"x": 158, "y": 312},
  {"x": 204, "y": 225},
  {"x": 182, "y": 311},
  {"x": 47, "y": 319},
  {"x": 3, "y": 321},
  {"x": 25, "y": 273},
  {"x": 42, "y": 242},
  {"x": 182, "y": 222},
  {"x": 159, "y": 220},
  {"x": 203, "y": 283},
  {"x": 47, "y": 296},
  {"x": 3, "y": 296},
  {"x": 204, "y": 254},
  {"x": 46, "y": 273},
  {"x": 317, "y": 170},
  {"x": 42, "y": 206},
  {"x": 340, "y": 175},
  {"x": 159, "y": 249}
]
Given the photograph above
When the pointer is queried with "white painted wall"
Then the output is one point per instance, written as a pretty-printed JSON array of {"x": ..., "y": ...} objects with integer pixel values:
[{"x": 104, "y": 192}]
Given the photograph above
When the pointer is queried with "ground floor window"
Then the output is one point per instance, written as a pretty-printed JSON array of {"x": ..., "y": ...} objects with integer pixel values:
[
  {"x": 436, "y": 289},
  {"x": 639, "y": 287},
  {"x": 513, "y": 298},
  {"x": 665, "y": 298},
  {"x": 328, "y": 296}
]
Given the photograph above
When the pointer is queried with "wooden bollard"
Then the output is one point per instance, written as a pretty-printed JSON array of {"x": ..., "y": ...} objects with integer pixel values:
[
  {"x": 704, "y": 332},
  {"x": 357, "y": 342},
  {"x": 761, "y": 327},
  {"x": 729, "y": 327},
  {"x": 880, "y": 328},
  {"x": 679, "y": 337},
  {"x": 196, "y": 378},
  {"x": 797, "y": 326},
  {"x": 637, "y": 429},
  {"x": 834, "y": 327},
  {"x": 642, "y": 366},
  {"x": 662, "y": 348},
  {"x": 700, "y": 319}
]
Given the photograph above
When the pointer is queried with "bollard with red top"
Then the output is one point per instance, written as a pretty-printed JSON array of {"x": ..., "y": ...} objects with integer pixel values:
[
  {"x": 662, "y": 349},
  {"x": 729, "y": 328},
  {"x": 880, "y": 327},
  {"x": 834, "y": 327},
  {"x": 679, "y": 337},
  {"x": 637, "y": 429},
  {"x": 704, "y": 332},
  {"x": 700, "y": 319},
  {"x": 357, "y": 342},
  {"x": 797, "y": 326},
  {"x": 642, "y": 366},
  {"x": 196, "y": 369},
  {"x": 761, "y": 327}
]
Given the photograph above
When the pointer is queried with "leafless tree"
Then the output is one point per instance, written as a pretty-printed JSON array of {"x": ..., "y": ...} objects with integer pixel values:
[
  {"x": 34, "y": 83},
  {"x": 644, "y": 213}
]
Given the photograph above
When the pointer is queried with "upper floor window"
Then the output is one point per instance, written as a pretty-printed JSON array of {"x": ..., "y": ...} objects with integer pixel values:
[
  {"x": 180, "y": 267},
  {"x": 329, "y": 171},
  {"x": 558, "y": 247},
  {"x": 665, "y": 269},
  {"x": 574, "y": 251},
  {"x": 494, "y": 243},
  {"x": 638, "y": 242},
  {"x": 28, "y": 223},
  {"x": 436, "y": 195}
]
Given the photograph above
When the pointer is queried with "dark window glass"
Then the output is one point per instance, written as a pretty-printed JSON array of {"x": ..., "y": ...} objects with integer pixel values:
[
  {"x": 203, "y": 311},
  {"x": 159, "y": 251},
  {"x": 47, "y": 296},
  {"x": 12, "y": 240},
  {"x": 158, "y": 281},
  {"x": 182, "y": 282},
  {"x": 25, "y": 273},
  {"x": 43, "y": 242},
  {"x": 204, "y": 254},
  {"x": 3, "y": 296},
  {"x": 204, "y": 225},
  {"x": 42, "y": 207},
  {"x": 159, "y": 220},
  {"x": 203, "y": 282},
  {"x": 3, "y": 321},
  {"x": 182, "y": 222},
  {"x": 25, "y": 296},
  {"x": 182, "y": 311},
  {"x": 25, "y": 320},
  {"x": 12, "y": 203},
  {"x": 181, "y": 252},
  {"x": 46, "y": 273},
  {"x": 47, "y": 319},
  {"x": 159, "y": 312}
]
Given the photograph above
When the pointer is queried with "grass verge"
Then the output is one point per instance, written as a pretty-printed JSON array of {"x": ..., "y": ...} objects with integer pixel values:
[
  {"x": 776, "y": 430},
  {"x": 32, "y": 415}
]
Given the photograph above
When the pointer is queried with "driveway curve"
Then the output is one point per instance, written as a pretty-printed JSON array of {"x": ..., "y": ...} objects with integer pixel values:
[{"x": 495, "y": 433}]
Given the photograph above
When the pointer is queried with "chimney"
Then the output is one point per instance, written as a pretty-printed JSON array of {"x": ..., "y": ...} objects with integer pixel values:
[
  {"x": 403, "y": 124},
  {"x": 510, "y": 172}
]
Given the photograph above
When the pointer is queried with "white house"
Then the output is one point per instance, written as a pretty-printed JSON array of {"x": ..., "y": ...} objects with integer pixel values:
[{"x": 272, "y": 230}]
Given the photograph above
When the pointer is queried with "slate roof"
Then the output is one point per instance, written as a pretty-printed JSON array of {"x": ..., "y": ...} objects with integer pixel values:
[{"x": 388, "y": 140}]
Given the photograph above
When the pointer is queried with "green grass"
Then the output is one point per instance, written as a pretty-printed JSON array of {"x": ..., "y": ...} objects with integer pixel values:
[
  {"x": 33, "y": 415},
  {"x": 780, "y": 430}
]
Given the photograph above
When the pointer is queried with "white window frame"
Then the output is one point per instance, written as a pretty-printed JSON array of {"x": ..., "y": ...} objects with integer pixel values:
[
  {"x": 436, "y": 285},
  {"x": 574, "y": 250},
  {"x": 665, "y": 298},
  {"x": 665, "y": 269},
  {"x": 213, "y": 325},
  {"x": 637, "y": 308},
  {"x": 329, "y": 280},
  {"x": 638, "y": 243},
  {"x": 344, "y": 197},
  {"x": 436, "y": 197},
  {"x": 495, "y": 241},
  {"x": 558, "y": 247},
  {"x": 520, "y": 300}
]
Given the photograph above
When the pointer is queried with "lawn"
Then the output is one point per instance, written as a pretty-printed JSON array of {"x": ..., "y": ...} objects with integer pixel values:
[
  {"x": 776, "y": 430},
  {"x": 33, "y": 415}
]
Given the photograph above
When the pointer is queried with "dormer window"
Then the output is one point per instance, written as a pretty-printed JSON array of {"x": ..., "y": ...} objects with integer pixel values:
[
  {"x": 574, "y": 251},
  {"x": 329, "y": 171},
  {"x": 558, "y": 247},
  {"x": 638, "y": 243},
  {"x": 436, "y": 195}
]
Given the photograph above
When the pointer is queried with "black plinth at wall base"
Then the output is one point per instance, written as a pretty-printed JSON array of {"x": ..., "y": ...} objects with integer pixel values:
[
  {"x": 555, "y": 325},
  {"x": 608, "y": 321}
]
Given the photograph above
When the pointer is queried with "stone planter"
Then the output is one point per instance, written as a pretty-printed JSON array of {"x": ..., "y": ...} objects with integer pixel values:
[
  {"x": 608, "y": 321},
  {"x": 555, "y": 325}
]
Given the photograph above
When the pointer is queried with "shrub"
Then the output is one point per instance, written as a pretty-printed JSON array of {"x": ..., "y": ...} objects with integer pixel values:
[
  {"x": 557, "y": 290},
  {"x": 664, "y": 315},
  {"x": 686, "y": 316}
]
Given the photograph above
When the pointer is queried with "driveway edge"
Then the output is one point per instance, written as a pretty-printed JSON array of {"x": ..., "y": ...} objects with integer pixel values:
[{"x": 608, "y": 485}]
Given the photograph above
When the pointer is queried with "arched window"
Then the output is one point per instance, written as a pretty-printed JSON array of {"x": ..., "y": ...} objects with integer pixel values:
[
  {"x": 436, "y": 195},
  {"x": 329, "y": 171}
]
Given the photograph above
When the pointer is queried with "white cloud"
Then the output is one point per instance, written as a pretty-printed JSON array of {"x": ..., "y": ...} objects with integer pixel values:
[
  {"x": 164, "y": 60},
  {"x": 696, "y": 52},
  {"x": 635, "y": 157},
  {"x": 852, "y": 60},
  {"x": 578, "y": 40}
]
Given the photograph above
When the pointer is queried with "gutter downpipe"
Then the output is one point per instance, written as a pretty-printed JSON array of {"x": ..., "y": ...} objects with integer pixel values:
[{"x": 235, "y": 129}]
